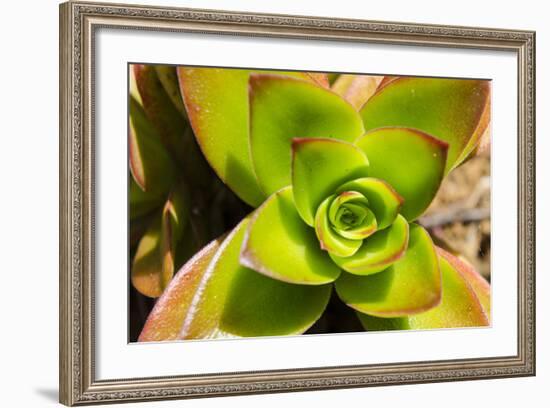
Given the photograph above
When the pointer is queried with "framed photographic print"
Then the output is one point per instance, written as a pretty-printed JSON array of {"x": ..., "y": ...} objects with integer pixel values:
[{"x": 261, "y": 203}]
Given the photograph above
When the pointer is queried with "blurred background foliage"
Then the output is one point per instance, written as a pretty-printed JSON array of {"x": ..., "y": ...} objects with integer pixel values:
[{"x": 177, "y": 203}]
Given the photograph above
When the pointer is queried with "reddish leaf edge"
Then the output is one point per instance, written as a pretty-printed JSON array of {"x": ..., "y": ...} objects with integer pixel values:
[
  {"x": 180, "y": 278},
  {"x": 467, "y": 272}
]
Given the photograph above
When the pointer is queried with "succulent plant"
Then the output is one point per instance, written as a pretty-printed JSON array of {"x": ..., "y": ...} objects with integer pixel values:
[{"x": 335, "y": 176}]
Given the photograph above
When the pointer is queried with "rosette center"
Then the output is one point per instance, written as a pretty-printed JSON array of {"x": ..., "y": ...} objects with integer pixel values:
[{"x": 350, "y": 216}]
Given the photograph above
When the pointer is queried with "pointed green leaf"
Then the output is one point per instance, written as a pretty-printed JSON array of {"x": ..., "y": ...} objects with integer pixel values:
[
  {"x": 412, "y": 162},
  {"x": 384, "y": 201},
  {"x": 151, "y": 166},
  {"x": 478, "y": 283},
  {"x": 319, "y": 166},
  {"x": 232, "y": 300},
  {"x": 459, "y": 307},
  {"x": 175, "y": 218},
  {"x": 410, "y": 285},
  {"x": 283, "y": 108},
  {"x": 331, "y": 241},
  {"x": 134, "y": 91},
  {"x": 161, "y": 111},
  {"x": 168, "y": 77},
  {"x": 147, "y": 275},
  {"x": 162, "y": 106},
  {"x": 378, "y": 251},
  {"x": 155, "y": 260},
  {"x": 216, "y": 101},
  {"x": 453, "y": 110},
  {"x": 166, "y": 319},
  {"x": 280, "y": 245}
]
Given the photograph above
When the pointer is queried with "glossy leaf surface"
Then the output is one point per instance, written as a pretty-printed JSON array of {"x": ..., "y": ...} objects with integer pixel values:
[
  {"x": 477, "y": 282},
  {"x": 150, "y": 164},
  {"x": 351, "y": 217},
  {"x": 410, "y": 285},
  {"x": 379, "y": 251},
  {"x": 331, "y": 241},
  {"x": 166, "y": 319},
  {"x": 283, "y": 108},
  {"x": 161, "y": 111},
  {"x": 232, "y": 300},
  {"x": 459, "y": 307},
  {"x": 175, "y": 218},
  {"x": 279, "y": 244},
  {"x": 168, "y": 77},
  {"x": 453, "y": 110},
  {"x": 154, "y": 262},
  {"x": 216, "y": 102},
  {"x": 132, "y": 84},
  {"x": 384, "y": 201},
  {"x": 413, "y": 163},
  {"x": 319, "y": 167},
  {"x": 147, "y": 272}
]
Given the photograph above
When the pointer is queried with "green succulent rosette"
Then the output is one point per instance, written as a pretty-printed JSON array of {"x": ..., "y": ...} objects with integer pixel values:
[{"x": 336, "y": 192}]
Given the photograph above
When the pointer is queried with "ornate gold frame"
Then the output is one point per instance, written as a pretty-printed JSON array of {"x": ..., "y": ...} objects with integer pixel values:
[{"x": 78, "y": 22}]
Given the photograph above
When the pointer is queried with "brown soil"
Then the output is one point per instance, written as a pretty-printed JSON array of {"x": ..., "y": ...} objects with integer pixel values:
[{"x": 459, "y": 217}]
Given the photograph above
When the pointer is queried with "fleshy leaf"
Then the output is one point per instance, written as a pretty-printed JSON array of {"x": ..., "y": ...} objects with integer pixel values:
[
  {"x": 319, "y": 166},
  {"x": 453, "y": 110},
  {"x": 150, "y": 164},
  {"x": 384, "y": 201},
  {"x": 166, "y": 319},
  {"x": 409, "y": 286},
  {"x": 134, "y": 91},
  {"x": 280, "y": 245},
  {"x": 147, "y": 276},
  {"x": 155, "y": 259},
  {"x": 330, "y": 241},
  {"x": 283, "y": 108},
  {"x": 378, "y": 251},
  {"x": 161, "y": 111},
  {"x": 168, "y": 77},
  {"x": 232, "y": 300},
  {"x": 216, "y": 101},
  {"x": 459, "y": 307},
  {"x": 484, "y": 145},
  {"x": 478, "y": 283},
  {"x": 351, "y": 216},
  {"x": 175, "y": 218},
  {"x": 412, "y": 162}
]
